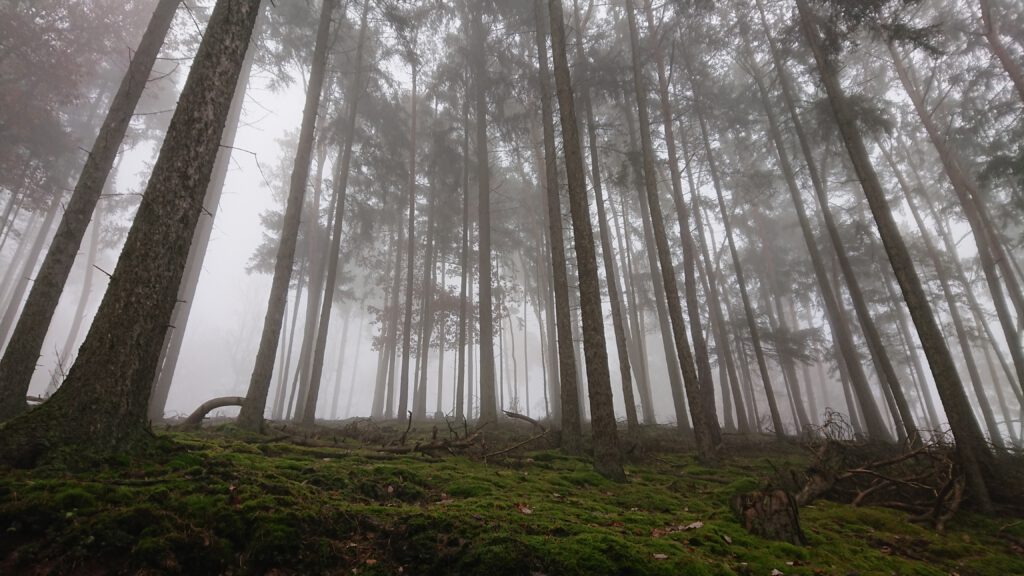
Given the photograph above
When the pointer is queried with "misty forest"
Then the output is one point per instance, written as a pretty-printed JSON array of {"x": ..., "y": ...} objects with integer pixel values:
[{"x": 512, "y": 287}]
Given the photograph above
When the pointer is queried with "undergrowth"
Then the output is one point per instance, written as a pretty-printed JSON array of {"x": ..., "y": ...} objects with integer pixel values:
[{"x": 223, "y": 503}]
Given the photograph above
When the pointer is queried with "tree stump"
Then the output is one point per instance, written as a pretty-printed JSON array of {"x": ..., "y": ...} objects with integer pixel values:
[{"x": 772, "y": 515}]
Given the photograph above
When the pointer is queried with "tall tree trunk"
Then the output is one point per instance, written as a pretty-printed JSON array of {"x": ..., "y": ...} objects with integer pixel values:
[
  {"x": 478, "y": 63},
  {"x": 974, "y": 454},
  {"x": 22, "y": 353},
  {"x": 637, "y": 337},
  {"x": 197, "y": 253},
  {"x": 954, "y": 309},
  {"x": 403, "y": 385},
  {"x": 668, "y": 344},
  {"x": 390, "y": 298},
  {"x": 990, "y": 250},
  {"x": 308, "y": 413},
  {"x": 607, "y": 249},
  {"x": 748, "y": 310},
  {"x": 705, "y": 431},
  {"x": 346, "y": 324},
  {"x": 279, "y": 410},
  {"x": 700, "y": 348},
  {"x": 102, "y": 404},
  {"x": 569, "y": 415},
  {"x": 251, "y": 415},
  {"x": 419, "y": 404},
  {"x": 607, "y": 456},
  {"x": 87, "y": 284},
  {"x": 460, "y": 383}
]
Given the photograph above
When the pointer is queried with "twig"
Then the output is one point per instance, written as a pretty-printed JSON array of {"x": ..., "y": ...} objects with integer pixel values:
[{"x": 517, "y": 446}]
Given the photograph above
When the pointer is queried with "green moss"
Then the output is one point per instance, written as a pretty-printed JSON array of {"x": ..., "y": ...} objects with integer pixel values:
[{"x": 211, "y": 502}]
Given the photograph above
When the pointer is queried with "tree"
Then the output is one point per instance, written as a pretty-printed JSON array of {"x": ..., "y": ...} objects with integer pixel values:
[
  {"x": 19, "y": 360},
  {"x": 607, "y": 456},
  {"x": 251, "y": 415},
  {"x": 974, "y": 454},
  {"x": 102, "y": 404}
]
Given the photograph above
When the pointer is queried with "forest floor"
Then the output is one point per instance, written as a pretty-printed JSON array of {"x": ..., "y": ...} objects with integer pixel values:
[{"x": 223, "y": 502}]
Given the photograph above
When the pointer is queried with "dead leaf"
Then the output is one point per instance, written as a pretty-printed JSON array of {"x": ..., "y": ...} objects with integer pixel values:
[
  {"x": 660, "y": 556},
  {"x": 693, "y": 525},
  {"x": 776, "y": 572},
  {"x": 523, "y": 508},
  {"x": 727, "y": 539}
]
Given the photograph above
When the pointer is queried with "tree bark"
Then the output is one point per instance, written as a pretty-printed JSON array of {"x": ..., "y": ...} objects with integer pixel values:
[
  {"x": 197, "y": 253},
  {"x": 102, "y": 405},
  {"x": 22, "y": 353},
  {"x": 703, "y": 429},
  {"x": 478, "y": 62},
  {"x": 607, "y": 456}
]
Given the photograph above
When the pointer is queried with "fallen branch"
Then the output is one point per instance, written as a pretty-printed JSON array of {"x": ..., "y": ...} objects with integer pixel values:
[
  {"x": 517, "y": 416},
  {"x": 195, "y": 420},
  {"x": 517, "y": 446}
]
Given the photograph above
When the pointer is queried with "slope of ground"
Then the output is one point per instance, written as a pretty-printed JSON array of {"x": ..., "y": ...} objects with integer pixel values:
[{"x": 224, "y": 503}]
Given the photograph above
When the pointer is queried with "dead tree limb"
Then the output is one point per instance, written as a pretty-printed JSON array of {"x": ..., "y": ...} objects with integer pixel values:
[{"x": 195, "y": 420}]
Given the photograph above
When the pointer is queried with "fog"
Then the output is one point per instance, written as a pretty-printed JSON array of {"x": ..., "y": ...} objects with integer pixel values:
[{"x": 785, "y": 355}]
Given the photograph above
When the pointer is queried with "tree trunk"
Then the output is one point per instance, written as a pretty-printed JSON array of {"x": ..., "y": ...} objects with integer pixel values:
[
  {"x": 748, "y": 310},
  {"x": 840, "y": 327},
  {"x": 308, "y": 414},
  {"x": 22, "y": 353},
  {"x": 990, "y": 251},
  {"x": 974, "y": 454},
  {"x": 251, "y": 415},
  {"x": 478, "y": 62},
  {"x": 607, "y": 249},
  {"x": 87, "y": 281},
  {"x": 705, "y": 432},
  {"x": 607, "y": 456},
  {"x": 197, "y": 253},
  {"x": 102, "y": 405},
  {"x": 954, "y": 310},
  {"x": 705, "y": 380},
  {"x": 460, "y": 383},
  {"x": 569, "y": 415}
]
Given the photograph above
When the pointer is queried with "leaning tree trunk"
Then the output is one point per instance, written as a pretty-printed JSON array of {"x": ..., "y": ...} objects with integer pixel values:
[
  {"x": 478, "y": 62},
  {"x": 102, "y": 405},
  {"x": 990, "y": 251},
  {"x": 942, "y": 274},
  {"x": 568, "y": 399},
  {"x": 308, "y": 412},
  {"x": 755, "y": 335},
  {"x": 700, "y": 348},
  {"x": 197, "y": 253},
  {"x": 704, "y": 433},
  {"x": 251, "y": 415},
  {"x": 974, "y": 454},
  {"x": 607, "y": 249},
  {"x": 19, "y": 360},
  {"x": 607, "y": 455}
]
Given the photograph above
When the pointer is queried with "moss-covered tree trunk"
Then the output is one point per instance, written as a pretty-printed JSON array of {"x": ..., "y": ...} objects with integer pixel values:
[{"x": 102, "y": 404}]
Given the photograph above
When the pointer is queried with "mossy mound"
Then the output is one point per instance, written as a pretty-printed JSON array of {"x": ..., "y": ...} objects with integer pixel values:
[{"x": 218, "y": 503}]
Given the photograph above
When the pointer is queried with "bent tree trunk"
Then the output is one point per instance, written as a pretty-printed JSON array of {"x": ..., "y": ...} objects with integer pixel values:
[
  {"x": 102, "y": 404},
  {"x": 20, "y": 359},
  {"x": 974, "y": 454},
  {"x": 251, "y": 415}
]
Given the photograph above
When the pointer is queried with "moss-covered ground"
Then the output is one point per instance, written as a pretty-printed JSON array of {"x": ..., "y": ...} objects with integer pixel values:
[{"x": 222, "y": 503}]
